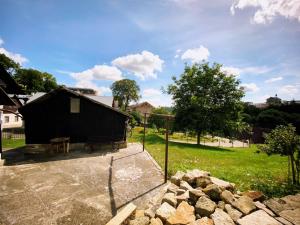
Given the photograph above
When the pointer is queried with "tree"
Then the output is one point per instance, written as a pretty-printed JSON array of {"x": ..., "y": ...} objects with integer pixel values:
[
  {"x": 33, "y": 80},
  {"x": 283, "y": 140},
  {"x": 206, "y": 99},
  {"x": 271, "y": 118},
  {"x": 9, "y": 65},
  {"x": 136, "y": 118},
  {"x": 125, "y": 91},
  {"x": 274, "y": 101},
  {"x": 158, "y": 120}
]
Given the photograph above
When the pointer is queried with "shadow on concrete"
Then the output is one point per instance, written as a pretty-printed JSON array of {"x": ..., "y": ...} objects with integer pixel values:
[
  {"x": 113, "y": 205},
  {"x": 19, "y": 156}
]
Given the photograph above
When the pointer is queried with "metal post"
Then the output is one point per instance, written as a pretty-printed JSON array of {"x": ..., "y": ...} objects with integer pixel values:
[
  {"x": 167, "y": 150},
  {"x": 144, "y": 131},
  {"x": 0, "y": 138}
]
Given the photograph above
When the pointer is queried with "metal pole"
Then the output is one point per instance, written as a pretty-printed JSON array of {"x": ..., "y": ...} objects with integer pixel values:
[
  {"x": 167, "y": 150},
  {"x": 0, "y": 138},
  {"x": 144, "y": 131}
]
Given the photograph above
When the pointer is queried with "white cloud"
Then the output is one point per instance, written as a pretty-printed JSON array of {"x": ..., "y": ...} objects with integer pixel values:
[
  {"x": 143, "y": 65},
  {"x": 151, "y": 92},
  {"x": 87, "y": 78},
  {"x": 274, "y": 79},
  {"x": 90, "y": 84},
  {"x": 289, "y": 90},
  {"x": 267, "y": 10},
  {"x": 250, "y": 87},
  {"x": 99, "y": 72},
  {"x": 246, "y": 70},
  {"x": 196, "y": 54},
  {"x": 229, "y": 70},
  {"x": 14, "y": 56}
]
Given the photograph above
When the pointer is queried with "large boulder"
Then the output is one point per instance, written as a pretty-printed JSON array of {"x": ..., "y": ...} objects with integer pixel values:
[
  {"x": 225, "y": 185},
  {"x": 195, "y": 194},
  {"x": 259, "y": 217},
  {"x": 192, "y": 175},
  {"x": 165, "y": 211},
  {"x": 213, "y": 191},
  {"x": 184, "y": 215},
  {"x": 183, "y": 197},
  {"x": 205, "y": 206},
  {"x": 173, "y": 188},
  {"x": 156, "y": 221},
  {"x": 185, "y": 186},
  {"x": 221, "y": 218},
  {"x": 255, "y": 195},
  {"x": 292, "y": 215},
  {"x": 227, "y": 197},
  {"x": 175, "y": 179},
  {"x": 233, "y": 213},
  {"x": 203, "y": 181},
  {"x": 144, "y": 220},
  {"x": 170, "y": 198},
  {"x": 203, "y": 221},
  {"x": 244, "y": 204}
]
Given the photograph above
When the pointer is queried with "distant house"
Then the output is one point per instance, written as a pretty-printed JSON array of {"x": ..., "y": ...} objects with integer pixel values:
[
  {"x": 9, "y": 103},
  {"x": 142, "y": 108},
  {"x": 65, "y": 113}
]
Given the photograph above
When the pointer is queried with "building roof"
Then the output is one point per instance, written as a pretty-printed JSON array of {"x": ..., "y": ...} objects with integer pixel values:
[
  {"x": 141, "y": 104},
  {"x": 75, "y": 94},
  {"x": 4, "y": 99},
  {"x": 107, "y": 100},
  {"x": 8, "y": 84}
]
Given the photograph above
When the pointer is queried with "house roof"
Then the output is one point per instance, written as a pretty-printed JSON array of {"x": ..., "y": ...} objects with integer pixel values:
[
  {"x": 141, "y": 104},
  {"x": 107, "y": 100},
  {"x": 4, "y": 99},
  {"x": 46, "y": 96},
  {"x": 8, "y": 84}
]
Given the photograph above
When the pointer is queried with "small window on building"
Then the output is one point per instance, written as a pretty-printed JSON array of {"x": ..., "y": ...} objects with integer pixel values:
[
  {"x": 6, "y": 119},
  {"x": 75, "y": 105},
  {"x": 16, "y": 119}
]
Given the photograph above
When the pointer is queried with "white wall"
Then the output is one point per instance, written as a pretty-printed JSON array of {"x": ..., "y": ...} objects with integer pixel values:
[{"x": 12, "y": 120}]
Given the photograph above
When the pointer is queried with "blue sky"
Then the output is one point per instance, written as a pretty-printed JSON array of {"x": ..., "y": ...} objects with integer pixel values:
[{"x": 94, "y": 43}]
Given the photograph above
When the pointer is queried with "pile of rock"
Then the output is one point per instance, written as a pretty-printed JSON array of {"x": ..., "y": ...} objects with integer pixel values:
[{"x": 196, "y": 198}]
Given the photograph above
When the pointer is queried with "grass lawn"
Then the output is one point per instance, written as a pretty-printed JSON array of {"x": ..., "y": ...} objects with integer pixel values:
[
  {"x": 242, "y": 166},
  {"x": 12, "y": 143}
]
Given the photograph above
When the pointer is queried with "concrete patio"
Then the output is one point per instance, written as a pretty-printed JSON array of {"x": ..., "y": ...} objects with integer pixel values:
[{"x": 79, "y": 188}]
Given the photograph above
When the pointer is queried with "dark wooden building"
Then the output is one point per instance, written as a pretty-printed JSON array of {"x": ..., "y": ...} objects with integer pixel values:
[{"x": 65, "y": 113}]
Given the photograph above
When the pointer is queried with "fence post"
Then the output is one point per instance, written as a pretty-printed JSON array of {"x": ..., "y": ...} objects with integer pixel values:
[
  {"x": 167, "y": 149},
  {"x": 144, "y": 131}
]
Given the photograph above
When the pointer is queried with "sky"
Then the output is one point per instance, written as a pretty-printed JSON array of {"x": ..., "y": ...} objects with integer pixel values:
[{"x": 93, "y": 43}]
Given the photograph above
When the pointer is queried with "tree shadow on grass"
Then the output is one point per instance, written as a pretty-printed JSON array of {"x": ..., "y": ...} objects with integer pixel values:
[{"x": 155, "y": 139}]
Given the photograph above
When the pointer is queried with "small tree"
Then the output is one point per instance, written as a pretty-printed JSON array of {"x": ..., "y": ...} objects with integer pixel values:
[
  {"x": 158, "y": 120},
  {"x": 283, "y": 140}
]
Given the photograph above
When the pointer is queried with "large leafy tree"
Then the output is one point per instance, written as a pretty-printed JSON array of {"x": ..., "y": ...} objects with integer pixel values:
[
  {"x": 157, "y": 118},
  {"x": 283, "y": 140},
  {"x": 206, "y": 99},
  {"x": 33, "y": 80},
  {"x": 29, "y": 79},
  {"x": 8, "y": 64},
  {"x": 125, "y": 91}
]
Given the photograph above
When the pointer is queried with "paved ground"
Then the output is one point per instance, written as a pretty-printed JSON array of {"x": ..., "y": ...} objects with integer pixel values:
[{"x": 80, "y": 188}]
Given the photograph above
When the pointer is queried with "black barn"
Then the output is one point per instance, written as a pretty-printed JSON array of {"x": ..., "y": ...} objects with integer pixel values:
[{"x": 64, "y": 113}]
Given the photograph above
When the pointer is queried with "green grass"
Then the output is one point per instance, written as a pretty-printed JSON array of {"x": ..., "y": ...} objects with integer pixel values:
[
  {"x": 242, "y": 166},
  {"x": 12, "y": 143}
]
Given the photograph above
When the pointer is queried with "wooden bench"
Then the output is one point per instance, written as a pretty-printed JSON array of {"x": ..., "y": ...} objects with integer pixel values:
[{"x": 60, "y": 143}]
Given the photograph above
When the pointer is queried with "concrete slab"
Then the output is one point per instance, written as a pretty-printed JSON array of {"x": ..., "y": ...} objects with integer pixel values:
[{"x": 79, "y": 188}]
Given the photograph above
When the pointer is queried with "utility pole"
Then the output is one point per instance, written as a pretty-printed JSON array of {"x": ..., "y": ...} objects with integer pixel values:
[{"x": 167, "y": 149}]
